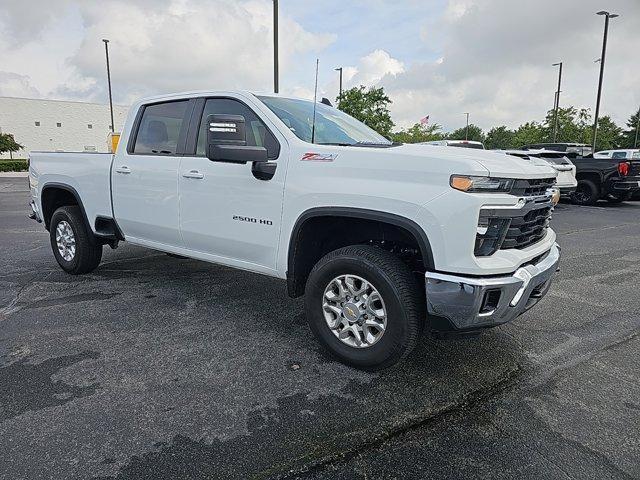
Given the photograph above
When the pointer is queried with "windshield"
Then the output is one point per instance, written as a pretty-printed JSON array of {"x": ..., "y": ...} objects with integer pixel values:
[{"x": 332, "y": 125}]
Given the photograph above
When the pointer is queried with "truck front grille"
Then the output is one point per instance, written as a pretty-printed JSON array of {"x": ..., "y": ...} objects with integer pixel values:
[
  {"x": 505, "y": 228},
  {"x": 527, "y": 229},
  {"x": 532, "y": 188}
]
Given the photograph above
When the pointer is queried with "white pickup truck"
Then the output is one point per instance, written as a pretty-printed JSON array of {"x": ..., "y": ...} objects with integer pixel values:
[{"x": 383, "y": 239}]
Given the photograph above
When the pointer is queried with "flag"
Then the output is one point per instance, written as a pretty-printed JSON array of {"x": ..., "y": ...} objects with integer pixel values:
[{"x": 425, "y": 120}]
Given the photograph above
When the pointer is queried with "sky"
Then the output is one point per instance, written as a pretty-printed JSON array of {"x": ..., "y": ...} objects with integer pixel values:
[{"x": 492, "y": 58}]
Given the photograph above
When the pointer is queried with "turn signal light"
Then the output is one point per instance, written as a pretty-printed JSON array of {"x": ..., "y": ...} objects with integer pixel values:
[
  {"x": 623, "y": 168},
  {"x": 461, "y": 183}
]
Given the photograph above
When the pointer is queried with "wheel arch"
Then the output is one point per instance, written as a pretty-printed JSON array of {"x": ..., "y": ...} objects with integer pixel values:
[
  {"x": 54, "y": 195},
  {"x": 298, "y": 267}
]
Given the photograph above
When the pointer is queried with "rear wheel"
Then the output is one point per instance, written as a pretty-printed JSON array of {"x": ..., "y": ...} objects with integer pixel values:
[
  {"x": 72, "y": 244},
  {"x": 587, "y": 193},
  {"x": 365, "y": 306}
]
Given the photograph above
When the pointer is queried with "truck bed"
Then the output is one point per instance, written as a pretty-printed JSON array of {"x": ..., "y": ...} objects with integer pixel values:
[{"x": 89, "y": 174}]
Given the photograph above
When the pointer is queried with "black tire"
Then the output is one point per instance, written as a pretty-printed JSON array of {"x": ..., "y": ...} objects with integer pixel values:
[
  {"x": 587, "y": 193},
  {"x": 618, "y": 197},
  {"x": 403, "y": 300},
  {"x": 87, "y": 252}
]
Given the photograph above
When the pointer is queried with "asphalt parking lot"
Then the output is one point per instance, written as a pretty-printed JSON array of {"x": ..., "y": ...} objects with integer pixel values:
[{"x": 158, "y": 367}]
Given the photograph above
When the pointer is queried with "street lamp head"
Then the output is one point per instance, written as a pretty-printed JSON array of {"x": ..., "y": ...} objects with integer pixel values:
[
  {"x": 338, "y": 69},
  {"x": 602, "y": 12},
  {"x": 556, "y": 64},
  {"x": 105, "y": 40},
  {"x": 614, "y": 15}
]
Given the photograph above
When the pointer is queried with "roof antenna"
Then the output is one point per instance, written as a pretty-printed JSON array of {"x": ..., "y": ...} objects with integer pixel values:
[{"x": 315, "y": 98}]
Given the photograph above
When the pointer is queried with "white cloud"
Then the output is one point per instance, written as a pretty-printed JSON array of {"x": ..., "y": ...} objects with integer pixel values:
[
  {"x": 497, "y": 56},
  {"x": 14, "y": 85},
  {"x": 374, "y": 66},
  {"x": 161, "y": 46},
  {"x": 491, "y": 57}
]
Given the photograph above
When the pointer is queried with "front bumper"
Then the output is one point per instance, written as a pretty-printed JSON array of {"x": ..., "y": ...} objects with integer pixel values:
[
  {"x": 470, "y": 303},
  {"x": 565, "y": 191}
]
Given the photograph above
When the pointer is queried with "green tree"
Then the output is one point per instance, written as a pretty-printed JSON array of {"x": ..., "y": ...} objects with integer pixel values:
[
  {"x": 418, "y": 133},
  {"x": 475, "y": 133},
  {"x": 609, "y": 134},
  {"x": 369, "y": 106},
  {"x": 573, "y": 125},
  {"x": 530, "y": 132},
  {"x": 629, "y": 136},
  {"x": 500, "y": 138},
  {"x": 8, "y": 144}
]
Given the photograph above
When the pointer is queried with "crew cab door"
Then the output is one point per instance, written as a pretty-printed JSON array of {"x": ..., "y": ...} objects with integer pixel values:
[
  {"x": 145, "y": 174},
  {"x": 226, "y": 213}
]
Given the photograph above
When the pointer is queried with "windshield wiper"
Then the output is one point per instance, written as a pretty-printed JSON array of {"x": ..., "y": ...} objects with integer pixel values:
[
  {"x": 373, "y": 144},
  {"x": 357, "y": 144}
]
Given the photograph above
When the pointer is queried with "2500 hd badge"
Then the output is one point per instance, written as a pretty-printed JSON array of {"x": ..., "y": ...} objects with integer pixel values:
[{"x": 261, "y": 221}]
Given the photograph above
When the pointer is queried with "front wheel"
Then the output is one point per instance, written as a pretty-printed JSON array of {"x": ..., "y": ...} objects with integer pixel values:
[
  {"x": 72, "y": 244},
  {"x": 365, "y": 306}
]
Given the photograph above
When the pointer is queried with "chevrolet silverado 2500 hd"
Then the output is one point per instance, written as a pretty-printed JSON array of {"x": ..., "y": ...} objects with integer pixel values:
[{"x": 382, "y": 239}]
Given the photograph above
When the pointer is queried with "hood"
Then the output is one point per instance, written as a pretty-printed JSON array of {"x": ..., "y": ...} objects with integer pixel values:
[{"x": 496, "y": 164}]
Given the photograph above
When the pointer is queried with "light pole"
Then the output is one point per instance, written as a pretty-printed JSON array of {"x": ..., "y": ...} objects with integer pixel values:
[
  {"x": 276, "y": 86},
  {"x": 635, "y": 142},
  {"x": 339, "y": 69},
  {"x": 466, "y": 134},
  {"x": 607, "y": 16},
  {"x": 557, "y": 105},
  {"x": 106, "y": 51}
]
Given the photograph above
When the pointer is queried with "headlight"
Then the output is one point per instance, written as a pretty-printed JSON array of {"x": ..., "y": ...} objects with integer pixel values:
[{"x": 475, "y": 184}]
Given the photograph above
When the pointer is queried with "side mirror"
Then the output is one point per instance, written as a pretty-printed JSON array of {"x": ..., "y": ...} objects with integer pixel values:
[{"x": 227, "y": 142}]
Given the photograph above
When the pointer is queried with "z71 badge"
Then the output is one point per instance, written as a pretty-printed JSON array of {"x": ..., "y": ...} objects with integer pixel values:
[{"x": 319, "y": 157}]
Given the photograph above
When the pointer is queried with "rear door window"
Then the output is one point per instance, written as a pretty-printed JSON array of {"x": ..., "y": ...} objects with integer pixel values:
[
  {"x": 619, "y": 155},
  {"x": 160, "y": 128}
]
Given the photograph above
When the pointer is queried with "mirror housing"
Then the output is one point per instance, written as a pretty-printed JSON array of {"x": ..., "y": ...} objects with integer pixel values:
[
  {"x": 227, "y": 141},
  {"x": 237, "y": 153}
]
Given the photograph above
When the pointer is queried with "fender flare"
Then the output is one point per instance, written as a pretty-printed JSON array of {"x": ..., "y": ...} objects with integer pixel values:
[
  {"x": 362, "y": 213},
  {"x": 95, "y": 236},
  {"x": 72, "y": 191}
]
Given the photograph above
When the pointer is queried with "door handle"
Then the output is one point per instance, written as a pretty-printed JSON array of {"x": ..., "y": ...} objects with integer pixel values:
[
  {"x": 193, "y": 174},
  {"x": 123, "y": 169}
]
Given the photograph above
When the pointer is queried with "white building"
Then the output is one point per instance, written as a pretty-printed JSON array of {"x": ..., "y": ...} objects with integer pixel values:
[{"x": 53, "y": 125}]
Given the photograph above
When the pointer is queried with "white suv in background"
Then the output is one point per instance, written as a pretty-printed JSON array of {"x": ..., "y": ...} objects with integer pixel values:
[{"x": 566, "y": 180}]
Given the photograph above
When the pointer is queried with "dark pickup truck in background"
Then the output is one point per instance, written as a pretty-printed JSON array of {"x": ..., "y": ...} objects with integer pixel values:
[{"x": 612, "y": 179}]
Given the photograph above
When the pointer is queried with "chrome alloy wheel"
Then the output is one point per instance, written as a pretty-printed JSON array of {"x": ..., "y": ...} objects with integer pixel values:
[
  {"x": 354, "y": 311},
  {"x": 65, "y": 240}
]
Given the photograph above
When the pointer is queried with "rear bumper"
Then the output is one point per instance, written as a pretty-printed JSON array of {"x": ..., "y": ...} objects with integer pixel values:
[
  {"x": 34, "y": 215},
  {"x": 627, "y": 185},
  {"x": 470, "y": 303}
]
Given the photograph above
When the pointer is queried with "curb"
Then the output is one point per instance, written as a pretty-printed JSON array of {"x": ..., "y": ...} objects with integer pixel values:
[{"x": 14, "y": 174}]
